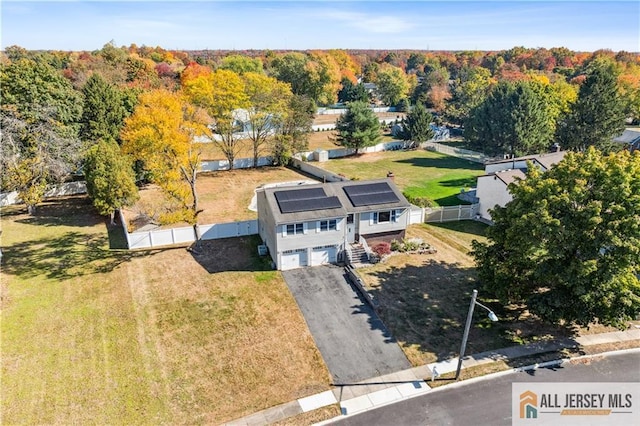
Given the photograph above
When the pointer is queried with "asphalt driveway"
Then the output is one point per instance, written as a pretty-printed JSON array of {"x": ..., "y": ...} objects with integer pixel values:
[{"x": 353, "y": 341}]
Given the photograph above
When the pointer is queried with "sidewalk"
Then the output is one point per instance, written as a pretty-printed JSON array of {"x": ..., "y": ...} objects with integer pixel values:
[{"x": 378, "y": 391}]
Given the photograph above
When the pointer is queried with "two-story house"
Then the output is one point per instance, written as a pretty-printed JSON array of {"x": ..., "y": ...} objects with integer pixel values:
[{"x": 313, "y": 224}]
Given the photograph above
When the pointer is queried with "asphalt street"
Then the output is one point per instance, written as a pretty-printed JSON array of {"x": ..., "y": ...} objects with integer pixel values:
[
  {"x": 488, "y": 402},
  {"x": 353, "y": 341}
]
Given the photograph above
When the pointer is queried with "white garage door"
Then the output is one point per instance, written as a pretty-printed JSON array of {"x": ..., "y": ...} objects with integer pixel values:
[
  {"x": 323, "y": 255},
  {"x": 292, "y": 259}
]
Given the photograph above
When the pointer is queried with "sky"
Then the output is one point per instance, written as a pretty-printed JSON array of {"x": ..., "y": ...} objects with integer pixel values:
[{"x": 300, "y": 25}]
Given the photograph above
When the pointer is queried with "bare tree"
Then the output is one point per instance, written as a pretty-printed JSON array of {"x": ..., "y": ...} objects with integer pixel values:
[{"x": 35, "y": 153}]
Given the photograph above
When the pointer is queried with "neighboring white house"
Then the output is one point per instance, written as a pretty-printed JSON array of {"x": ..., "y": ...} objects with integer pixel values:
[
  {"x": 313, "y": 224},
  {"x": 491, "y": 189},
  {"x": 630, "y": 139}
]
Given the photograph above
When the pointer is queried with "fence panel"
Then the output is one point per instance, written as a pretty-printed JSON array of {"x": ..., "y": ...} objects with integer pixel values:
[
  {"x": 316, "y": 171},
  {"x": 162, "y": 237},
  {"x": 416, "y": 215},
  {"x": 166, "y": 237},
  {"x": 229, "y": 230},
  {"x": 139, "y": 240},
  {"x": 238, "y": 163},
  {"x": 68, "y": 188},
  {"x": 183, "y": 235},
  {"x": 451, "y": 213},
  {"x": 476, "y": 157}
]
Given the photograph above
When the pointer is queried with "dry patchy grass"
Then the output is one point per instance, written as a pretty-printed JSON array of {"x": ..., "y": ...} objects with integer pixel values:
[
  {"x": 424, "y": 299},
  {"x": 312, "y": 417},
  {"x": 92, "y": 335},
  {"x": 224, "y": 196}
]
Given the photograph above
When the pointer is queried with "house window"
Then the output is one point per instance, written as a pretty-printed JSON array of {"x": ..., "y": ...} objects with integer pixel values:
[
  {"x": 385, "y": 217},
  {"x": 294, "y": 228},
  {"x": 350, "y": 219},
  {"x": 328, "y": 225}
]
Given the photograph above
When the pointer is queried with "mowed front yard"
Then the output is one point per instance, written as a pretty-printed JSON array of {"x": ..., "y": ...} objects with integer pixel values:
[
  {"x": 92, "y": 335},
  {"x": 418, "y": 173},
  {"x": 424, "y": 299}
]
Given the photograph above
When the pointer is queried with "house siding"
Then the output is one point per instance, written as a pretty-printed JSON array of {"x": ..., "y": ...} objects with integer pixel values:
[
  {"x": 312, "y": 238},
  {"x": 266, "y": 225},
  {"x": 365, "y": 225},
  {"x": 491, "y": 192}
]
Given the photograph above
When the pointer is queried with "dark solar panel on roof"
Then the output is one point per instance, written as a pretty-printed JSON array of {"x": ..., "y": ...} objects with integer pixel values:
[
  {"x": 368, "y": 188},
  {"x": 300, "y": 194},
  {"x": 295, "y": 206},
  {"x": 371, "y": 194},
  {"x": 304, "y": 200}
]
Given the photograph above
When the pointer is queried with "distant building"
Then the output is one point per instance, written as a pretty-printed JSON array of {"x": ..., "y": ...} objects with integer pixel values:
[
  {"x": 492, "y": 188},
  {"x": 630, "y": 139}
]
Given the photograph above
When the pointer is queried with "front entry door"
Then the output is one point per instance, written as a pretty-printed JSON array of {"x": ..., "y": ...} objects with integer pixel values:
[{"x": 351, "y": 229}]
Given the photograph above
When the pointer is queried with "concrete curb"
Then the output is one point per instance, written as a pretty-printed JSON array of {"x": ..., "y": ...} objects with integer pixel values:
[
  {"x": 463, "y": 383},
  {"x": 382, "y": 397}
]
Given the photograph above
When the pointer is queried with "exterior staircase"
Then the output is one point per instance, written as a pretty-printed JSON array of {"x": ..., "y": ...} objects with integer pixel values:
[{"x": 359, "y": 258}]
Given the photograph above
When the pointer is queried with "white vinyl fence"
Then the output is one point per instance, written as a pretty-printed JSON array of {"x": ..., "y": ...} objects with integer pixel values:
[
  {"x": 450, "y": 213},
  {"x": 320, "y": 173},
  {"x": 334, "y": 111},
  {"x": 416, "y": 215},
  {"x": 69, "y": 188},
  {"x": 345, "y": 152},
  {"x": 474, "y": 156},
  {"x": 186, "y": 234},
  {"x": 238, "y": 163}
]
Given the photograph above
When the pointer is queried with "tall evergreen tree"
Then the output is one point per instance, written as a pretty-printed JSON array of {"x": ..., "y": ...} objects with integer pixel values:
[
  {"x": 513, "y": 120},
  {"x": 358, "y": 127},
  {"x": 352, "y": 92},
  {"x": 598, "y": 115},
  {"x": 344, "y": 95},
  {"x": 104, "y": 112},
  {"x": 110, "y": 178},
  {"x": 417, "y": 126}
]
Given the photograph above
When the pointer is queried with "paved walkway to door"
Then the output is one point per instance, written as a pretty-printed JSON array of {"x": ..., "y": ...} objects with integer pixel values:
[{"x": 353, "y": 341}]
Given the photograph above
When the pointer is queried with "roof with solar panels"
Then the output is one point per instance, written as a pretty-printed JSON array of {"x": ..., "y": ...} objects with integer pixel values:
[{"x": 334, "y": 199}]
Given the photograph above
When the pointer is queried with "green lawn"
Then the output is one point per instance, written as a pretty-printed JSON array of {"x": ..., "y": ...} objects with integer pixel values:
[
  {"x": 418, "y": 173},
  {"x": 98, "y": 336}
]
